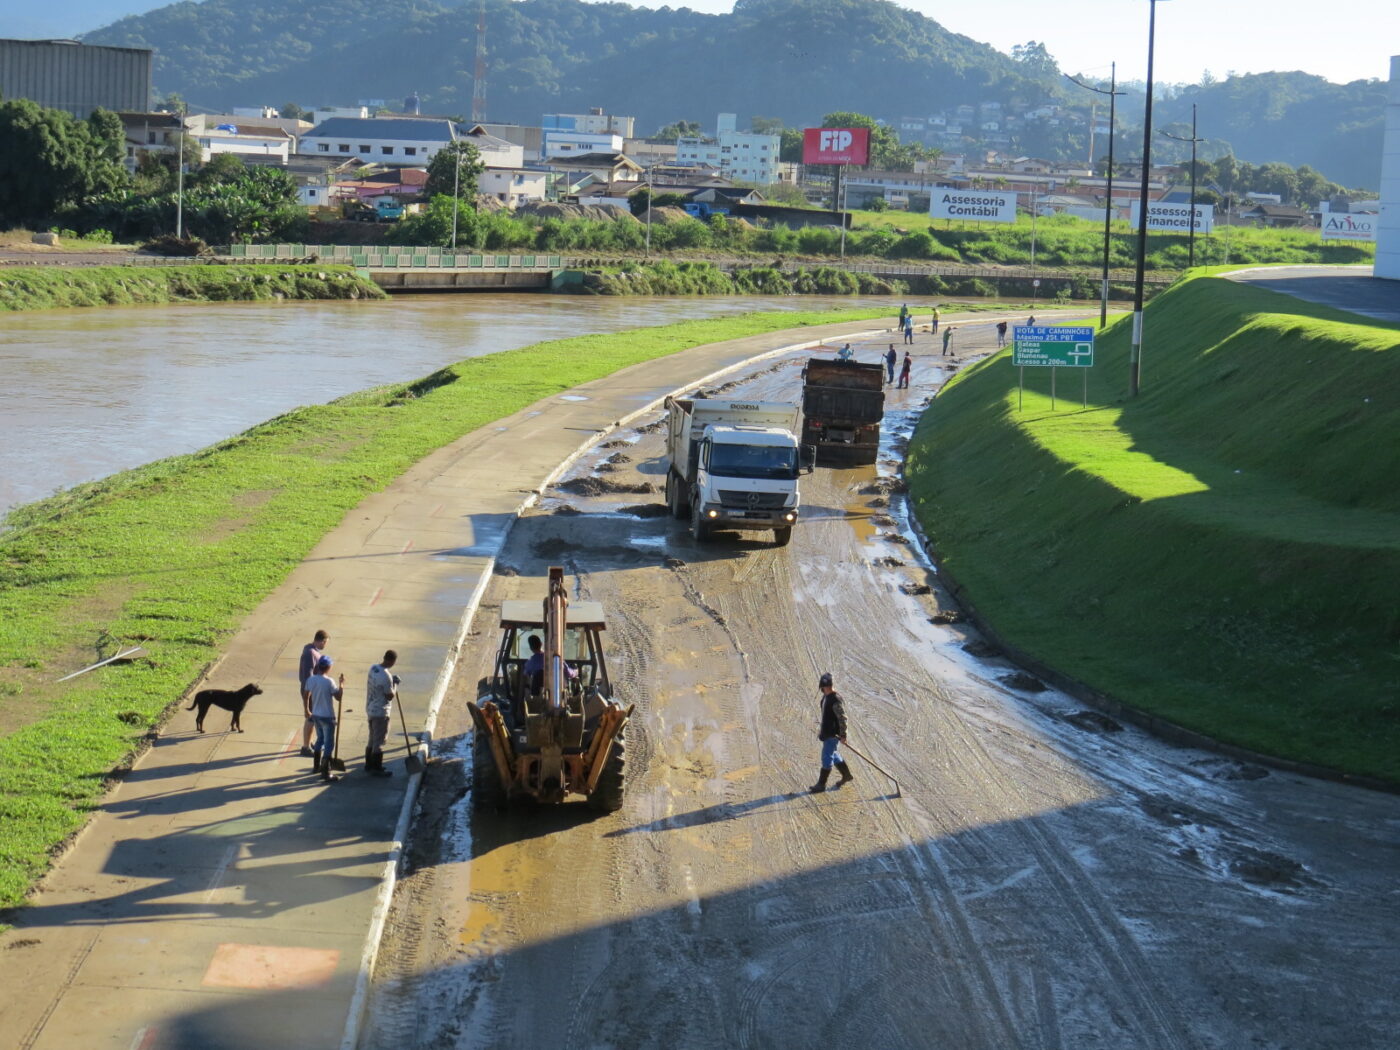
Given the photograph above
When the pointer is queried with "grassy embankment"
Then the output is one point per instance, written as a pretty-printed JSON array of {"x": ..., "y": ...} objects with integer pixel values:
[
  {"x": 1222, "y": 551},
  {"x": 48, "y": 287},
  {"x": 1069, "y": 241},
  {"x": 174, "y": 554}
]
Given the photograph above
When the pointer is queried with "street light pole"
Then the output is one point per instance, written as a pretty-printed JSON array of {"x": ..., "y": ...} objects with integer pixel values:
[
  {"x": 1191, "y": 230},
  {"x": 650, "y": 195},
  {"x": 1135, "y": 354},
  {"x": 456, "y": 188},
  {"x": 180, "y": 184},
  {"x": 1112, "y": 94},
  {"x": 1035, "y": 210}
]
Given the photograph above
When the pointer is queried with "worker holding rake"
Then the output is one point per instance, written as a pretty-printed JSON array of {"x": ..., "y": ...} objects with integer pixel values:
[{"x": 832, "y": 734}]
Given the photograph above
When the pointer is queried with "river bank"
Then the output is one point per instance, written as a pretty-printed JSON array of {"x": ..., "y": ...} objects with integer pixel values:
[
  {"x": 51, "y": 287},
  {"x": 173, "y": 555}
]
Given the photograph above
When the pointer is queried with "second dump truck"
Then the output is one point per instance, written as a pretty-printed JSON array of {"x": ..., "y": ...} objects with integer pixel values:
[
  {"x": 734, "y": 465},
  {"x": 843, "y": 403}
]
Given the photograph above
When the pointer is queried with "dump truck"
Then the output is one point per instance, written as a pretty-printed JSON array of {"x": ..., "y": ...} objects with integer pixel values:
[
  {"x": 734, "y": 465},
  {"x": 547, "y": 725},
  {"x": 843, "y": 403}
]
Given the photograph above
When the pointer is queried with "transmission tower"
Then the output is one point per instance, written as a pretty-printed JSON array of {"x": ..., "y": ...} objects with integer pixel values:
[{"x": 479, "y": 76}]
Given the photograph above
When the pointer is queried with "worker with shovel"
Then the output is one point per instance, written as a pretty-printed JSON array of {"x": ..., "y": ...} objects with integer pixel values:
[
  {"x": 832, "y": 734},
  {"x": 381, "y": 691},
  {"x": 320, "y": 696}
]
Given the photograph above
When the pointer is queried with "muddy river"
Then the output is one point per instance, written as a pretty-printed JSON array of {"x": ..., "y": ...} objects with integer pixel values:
[{"x": 90, "y": 392}]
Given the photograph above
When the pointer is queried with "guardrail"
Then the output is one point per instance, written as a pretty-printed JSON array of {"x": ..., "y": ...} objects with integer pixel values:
[{"x": 389, "y": 257}]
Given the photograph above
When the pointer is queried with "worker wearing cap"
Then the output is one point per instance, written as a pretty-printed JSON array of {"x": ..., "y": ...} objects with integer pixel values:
[{"x": 832, "y": 733}]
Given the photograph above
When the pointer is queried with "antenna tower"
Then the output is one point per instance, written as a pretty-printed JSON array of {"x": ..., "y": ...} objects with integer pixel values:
[{"x": 479, "y": 76}]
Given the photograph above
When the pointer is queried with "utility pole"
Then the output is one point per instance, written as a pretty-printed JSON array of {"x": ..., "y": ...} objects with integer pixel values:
[
  {"x": 456, "y": 188},
  {"x": 479, "y": 72},
  {"x": 843, "y": 214},
  {"x": 650, "y": 195},
  {"x": 1112, "y": 94},
  {"x": 1135, "y": 354},
  {"x": 180, "y": 184},
  {"x": 1191, "y": 230}
]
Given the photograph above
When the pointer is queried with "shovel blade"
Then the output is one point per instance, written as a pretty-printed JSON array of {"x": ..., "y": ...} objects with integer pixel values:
[
  {"x": 337, "y": 765},
  {"x": 414, "y": 764}
]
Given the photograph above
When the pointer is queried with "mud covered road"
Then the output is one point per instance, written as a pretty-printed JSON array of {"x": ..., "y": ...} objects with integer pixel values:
[{"x": 1048, "y": 878}]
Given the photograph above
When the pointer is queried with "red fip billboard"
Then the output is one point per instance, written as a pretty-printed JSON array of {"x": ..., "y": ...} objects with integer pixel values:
[{"x": 836, "y": 146}]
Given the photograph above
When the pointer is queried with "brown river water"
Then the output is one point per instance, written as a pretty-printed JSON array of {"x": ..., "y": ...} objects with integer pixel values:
[{"x": 89, "y": 392}]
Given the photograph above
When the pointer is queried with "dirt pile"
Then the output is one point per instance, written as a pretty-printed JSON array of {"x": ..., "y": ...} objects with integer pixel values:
[{"x": 603, "y": 486}]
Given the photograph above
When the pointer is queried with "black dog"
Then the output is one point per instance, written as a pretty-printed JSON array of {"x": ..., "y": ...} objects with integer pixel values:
[{"x": 228, "y": 699}]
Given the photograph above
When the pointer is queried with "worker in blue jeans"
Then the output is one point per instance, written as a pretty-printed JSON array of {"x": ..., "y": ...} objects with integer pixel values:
[
  {"x": 320, "y": 696},
  {"x": 832, "y": 734}
]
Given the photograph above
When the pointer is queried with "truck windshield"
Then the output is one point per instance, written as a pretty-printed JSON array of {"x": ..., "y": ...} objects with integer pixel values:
[{"x": 753, "y": 461}]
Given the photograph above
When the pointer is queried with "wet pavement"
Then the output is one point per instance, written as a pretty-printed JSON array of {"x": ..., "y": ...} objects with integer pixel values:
[
  {"x": 1043, "y": 877},
  {"x": 1350, "y": 288}
]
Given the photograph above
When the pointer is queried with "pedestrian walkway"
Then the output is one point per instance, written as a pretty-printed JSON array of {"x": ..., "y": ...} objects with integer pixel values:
[{"x": 222, "y": 896}]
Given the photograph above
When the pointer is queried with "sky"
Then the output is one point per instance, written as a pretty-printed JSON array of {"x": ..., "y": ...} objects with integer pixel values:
[{"x": 1342, "y": 40}]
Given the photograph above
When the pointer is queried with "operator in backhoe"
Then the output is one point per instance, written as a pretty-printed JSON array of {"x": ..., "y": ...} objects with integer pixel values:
[{"x": 534, "y": 665}]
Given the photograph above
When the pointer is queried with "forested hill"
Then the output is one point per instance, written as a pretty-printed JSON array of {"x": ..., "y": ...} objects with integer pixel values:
[
  {"x": 793, "y": 59},
  {"x": 1296, "y": 118}
]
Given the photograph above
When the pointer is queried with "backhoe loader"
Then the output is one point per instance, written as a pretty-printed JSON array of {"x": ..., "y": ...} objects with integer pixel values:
[{"x": 547, "y": 726}]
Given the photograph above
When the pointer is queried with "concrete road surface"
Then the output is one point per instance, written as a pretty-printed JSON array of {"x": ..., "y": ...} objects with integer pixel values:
[
  {"x": 1048, "y": 878},
  {"x": 1350, "y": 288}
]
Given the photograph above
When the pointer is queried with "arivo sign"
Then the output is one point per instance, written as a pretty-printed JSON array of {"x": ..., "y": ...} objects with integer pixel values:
[
  {"x": 1339, "y": 226},
  {"x": 982, "y": 205},
  {"x": 836, "y": 146}
]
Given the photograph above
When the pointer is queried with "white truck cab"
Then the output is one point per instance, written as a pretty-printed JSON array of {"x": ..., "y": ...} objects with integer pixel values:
[{"x": 735, "y": 465}]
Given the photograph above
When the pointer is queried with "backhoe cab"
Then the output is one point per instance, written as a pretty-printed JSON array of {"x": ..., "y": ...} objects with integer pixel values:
[{"x": 546, "y": 724}]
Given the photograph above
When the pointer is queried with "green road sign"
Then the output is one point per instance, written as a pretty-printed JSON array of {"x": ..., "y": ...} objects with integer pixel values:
[{"x": 1052, "y": 346}]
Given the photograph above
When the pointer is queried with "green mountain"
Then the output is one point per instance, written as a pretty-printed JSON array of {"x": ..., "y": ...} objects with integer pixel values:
[
  {"x": 1296, "y": 118},
  {"x": 793, "y": 59}
]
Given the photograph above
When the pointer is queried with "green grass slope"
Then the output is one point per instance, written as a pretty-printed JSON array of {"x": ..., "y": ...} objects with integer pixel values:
[
  {"x": 51, "y": 287},
  {"x": 1222, "y": 551}
]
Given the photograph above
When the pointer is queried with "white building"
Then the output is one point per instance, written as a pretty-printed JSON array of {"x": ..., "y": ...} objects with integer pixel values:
[
  {"x": 742, "y": 155},
  {"x": 513, "y": 187},
  {"x": 594, "y": 122},
  {"x": 327, "y": 112},
  {"x": 1388, "y": 224},
  {"x": 243, "y": 141},
  {"x": 561, "y": 142},
  {"x": 495, "y": 151},
  {"x": 381, "y": 140}
]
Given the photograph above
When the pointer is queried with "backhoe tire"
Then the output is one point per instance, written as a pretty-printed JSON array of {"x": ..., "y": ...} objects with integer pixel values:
[
  {"x": 782, "y": 537},
  {"x": 486, "y": 778},
  {"x": 607, "y": 796}
]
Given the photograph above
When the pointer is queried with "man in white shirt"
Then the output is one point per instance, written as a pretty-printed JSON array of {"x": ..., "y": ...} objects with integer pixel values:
[{"x": 381, "y": 690}]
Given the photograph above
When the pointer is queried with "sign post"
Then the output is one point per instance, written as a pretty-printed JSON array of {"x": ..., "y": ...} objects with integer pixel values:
[{"x": 1052, "y": 346}]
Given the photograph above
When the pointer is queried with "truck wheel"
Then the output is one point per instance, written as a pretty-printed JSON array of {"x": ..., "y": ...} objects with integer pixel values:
[
  {"x": 607, "y": 796},
  {"x": 675, "y": 498},
  {"x": 699, "y": 524},
  {"x": 486, "y": 778},
  {"x": 782, "y": 537}
]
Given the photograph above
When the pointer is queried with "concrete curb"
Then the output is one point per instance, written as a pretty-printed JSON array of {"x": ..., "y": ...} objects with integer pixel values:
[
  {"x": 359, "y": 1000},
  {"x": 1161, "y": 728}
]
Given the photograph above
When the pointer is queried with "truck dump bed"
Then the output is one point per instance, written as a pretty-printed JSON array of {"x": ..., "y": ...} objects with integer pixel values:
[{"x": 842, "y": 406}]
